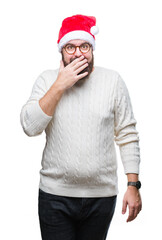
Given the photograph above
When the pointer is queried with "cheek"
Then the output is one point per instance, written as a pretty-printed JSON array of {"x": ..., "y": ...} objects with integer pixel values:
[
  {"x": 66, "y": 57},
  {"x": 88, "y": 56}
]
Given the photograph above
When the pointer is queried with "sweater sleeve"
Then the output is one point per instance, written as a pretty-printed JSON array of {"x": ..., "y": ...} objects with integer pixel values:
[
  {"x": 126, "y": 135},
  {"x": 33, "y": 119}
]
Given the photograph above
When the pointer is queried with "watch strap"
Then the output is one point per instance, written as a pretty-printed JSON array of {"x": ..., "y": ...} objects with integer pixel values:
[{"x": 135, "y": 184}]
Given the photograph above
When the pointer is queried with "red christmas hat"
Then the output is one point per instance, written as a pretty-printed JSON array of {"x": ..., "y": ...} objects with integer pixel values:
[{"x": 77, "y": 27}]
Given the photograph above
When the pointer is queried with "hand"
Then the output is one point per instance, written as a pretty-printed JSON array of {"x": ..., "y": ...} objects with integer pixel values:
[
  {"x": 68, "y": 75},
  {"x": 132, "y": 198}
]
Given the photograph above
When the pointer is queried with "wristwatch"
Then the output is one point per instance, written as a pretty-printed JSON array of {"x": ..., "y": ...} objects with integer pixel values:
[{"x": 135, "y": 184}]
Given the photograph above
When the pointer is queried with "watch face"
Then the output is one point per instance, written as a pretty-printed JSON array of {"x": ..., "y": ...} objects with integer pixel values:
[{"x": 138, "y": 184}]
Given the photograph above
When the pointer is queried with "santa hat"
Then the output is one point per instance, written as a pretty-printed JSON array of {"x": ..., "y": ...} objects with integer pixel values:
[{"x": 77, "y": 27}]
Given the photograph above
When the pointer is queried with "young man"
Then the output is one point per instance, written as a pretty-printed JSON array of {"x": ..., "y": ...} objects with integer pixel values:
[{"x": 83, "y": 109}]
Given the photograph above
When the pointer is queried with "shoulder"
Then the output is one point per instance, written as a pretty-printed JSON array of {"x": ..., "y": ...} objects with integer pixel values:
[
  {"x": 112, "y": 78},
  {"x": 108, "y": 75}
]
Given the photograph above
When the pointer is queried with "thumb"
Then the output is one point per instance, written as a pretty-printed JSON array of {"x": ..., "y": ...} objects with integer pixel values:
[
  {"x": 61, "y": 65},
  {"x": 124, "y": 208}
]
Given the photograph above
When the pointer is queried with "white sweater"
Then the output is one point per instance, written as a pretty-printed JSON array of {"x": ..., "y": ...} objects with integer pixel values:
[{"x": 79, "y": 158}]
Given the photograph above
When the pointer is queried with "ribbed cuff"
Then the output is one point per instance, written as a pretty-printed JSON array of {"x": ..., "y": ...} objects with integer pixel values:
[{"x": 35, "y": 119}]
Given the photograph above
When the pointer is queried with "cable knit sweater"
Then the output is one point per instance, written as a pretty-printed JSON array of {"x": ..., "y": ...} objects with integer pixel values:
[{"x": 79, "y": 157}]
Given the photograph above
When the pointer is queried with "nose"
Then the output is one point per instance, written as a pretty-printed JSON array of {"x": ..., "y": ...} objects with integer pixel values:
[{"x": 78, "y": 53}]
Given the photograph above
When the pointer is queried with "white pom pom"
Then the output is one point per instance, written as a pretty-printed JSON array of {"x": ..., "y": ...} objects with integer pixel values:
[{"x": 94, "y": 30}]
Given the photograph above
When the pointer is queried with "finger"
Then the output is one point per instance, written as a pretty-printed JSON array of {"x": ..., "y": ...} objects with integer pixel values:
[
  {"x": 140, "y": 205},
  {"x": 136, "y": 211},
  {"x": 124, "y": 208},
  {"x": 80, "y": 63},
  {"x": 81, "y": 68},
  {"x": 81, "y": 75},
  {"x": 131, "y": 214},
  {"x": 76, "y": 60}
]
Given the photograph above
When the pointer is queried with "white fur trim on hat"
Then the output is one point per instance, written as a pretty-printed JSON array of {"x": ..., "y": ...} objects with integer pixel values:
[{"x": 79, "y": 34}]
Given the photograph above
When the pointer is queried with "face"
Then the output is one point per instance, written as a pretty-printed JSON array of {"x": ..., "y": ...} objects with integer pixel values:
[{"x": 68, "y": 58}]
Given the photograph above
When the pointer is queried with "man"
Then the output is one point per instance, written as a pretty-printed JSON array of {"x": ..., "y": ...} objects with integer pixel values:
[{"x": 82, "y": 108}]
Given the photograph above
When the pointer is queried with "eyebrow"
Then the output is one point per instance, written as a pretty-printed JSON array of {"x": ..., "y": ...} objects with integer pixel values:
[{"x": 75, "y": 45}]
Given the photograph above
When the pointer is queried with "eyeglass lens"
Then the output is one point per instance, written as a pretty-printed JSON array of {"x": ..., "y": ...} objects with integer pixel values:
[{"x": 70, "y": 48}]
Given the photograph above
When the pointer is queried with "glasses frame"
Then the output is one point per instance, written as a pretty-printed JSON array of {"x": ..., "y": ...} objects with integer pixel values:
[{"x": 77, "y": 47}]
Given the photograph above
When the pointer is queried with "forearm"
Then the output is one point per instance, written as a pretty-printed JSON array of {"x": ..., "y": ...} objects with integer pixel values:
[
  {"x": 50, "y": 100},
  {"x": 132, "y": 177}
]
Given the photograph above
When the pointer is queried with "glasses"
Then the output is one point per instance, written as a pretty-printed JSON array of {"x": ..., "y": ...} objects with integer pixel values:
[{"x": 84, "y": 48}]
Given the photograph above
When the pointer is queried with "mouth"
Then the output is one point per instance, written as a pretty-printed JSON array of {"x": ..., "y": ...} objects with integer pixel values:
[
  {"x": 72, "y": 59},
  {"x": 84, "y": 70}
]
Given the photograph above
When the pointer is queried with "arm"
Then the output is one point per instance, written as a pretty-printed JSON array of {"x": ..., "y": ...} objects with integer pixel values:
[
  {"x": 126, "y": 137},
  {"x": 33, "y": 119},
  {"x": 49, "y": 101},
  {"x": 39, "y": 109},
  {"x": 66, "y": 78}
]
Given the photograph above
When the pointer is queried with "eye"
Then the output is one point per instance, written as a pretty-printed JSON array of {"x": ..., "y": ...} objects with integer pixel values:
[
  {"x": 70, "y": 47},
  {"x": 85, "y": 46}
]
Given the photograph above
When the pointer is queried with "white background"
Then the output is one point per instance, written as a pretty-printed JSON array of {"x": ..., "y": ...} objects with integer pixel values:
[{"x": 129, "y": 42}]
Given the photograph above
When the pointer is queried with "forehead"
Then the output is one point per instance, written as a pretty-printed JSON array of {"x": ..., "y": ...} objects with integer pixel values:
[{"x": 77, "y": 41}]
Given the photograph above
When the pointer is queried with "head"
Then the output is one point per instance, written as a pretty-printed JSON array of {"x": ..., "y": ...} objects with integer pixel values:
[
  {"x": 77, "y": 30},
  {"x": 68, "y": 58}
]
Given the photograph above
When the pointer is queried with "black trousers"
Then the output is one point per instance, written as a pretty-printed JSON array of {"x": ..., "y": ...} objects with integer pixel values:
[{"x": 74, "y": 218}]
